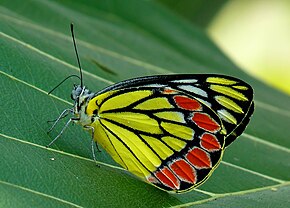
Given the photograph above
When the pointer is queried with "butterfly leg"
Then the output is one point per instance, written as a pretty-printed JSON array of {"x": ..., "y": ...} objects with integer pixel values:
[
  {"x": 93, "y": 152},
  {"x": 60, "y": 133},
  {"x": 61, "y": 116},
  {"x": 93, "y": 143}
]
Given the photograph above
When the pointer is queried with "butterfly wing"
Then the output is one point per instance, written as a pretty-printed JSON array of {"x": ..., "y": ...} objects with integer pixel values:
[
  {"x": 170, "y": 130},
  {"x": 229, "y": 97}
]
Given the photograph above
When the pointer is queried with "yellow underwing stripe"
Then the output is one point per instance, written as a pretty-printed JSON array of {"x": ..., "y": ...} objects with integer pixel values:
[
  {"x": 226, "y": 116},
  {"x": 132, "y": 164},
  {"x": 219, "y": 80},
  {"x": 178, "y": 130},
  {"x": 137, "y": 146},
  {"x": 229, "y": 92},
  {"x": 241, "y": 87},
  {"x": 124, "y": 99},
  {"x": 154, "y": 103},
  {"x": 159, "y": 147},
  {"x": 137, "y": 121},
  {"x": 171, "y": 115},
  {"x": 229, "y": 104},
  {"x": 174, "y": 143}
]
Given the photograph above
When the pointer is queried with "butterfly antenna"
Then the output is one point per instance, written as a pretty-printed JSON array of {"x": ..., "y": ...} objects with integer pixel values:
[
  {"x": 77, "y": 55},
  {"x": 63, "y": 82}
]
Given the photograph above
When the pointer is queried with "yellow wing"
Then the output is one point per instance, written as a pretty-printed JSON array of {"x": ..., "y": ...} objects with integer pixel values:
[{"x": 163, "y": 135}]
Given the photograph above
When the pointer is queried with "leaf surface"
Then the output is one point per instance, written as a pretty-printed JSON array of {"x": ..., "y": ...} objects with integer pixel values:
[{"x": 130, "y": 38}]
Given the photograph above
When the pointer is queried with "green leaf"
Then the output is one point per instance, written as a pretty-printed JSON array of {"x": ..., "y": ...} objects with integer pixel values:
[{"x": 129, "y": 38}]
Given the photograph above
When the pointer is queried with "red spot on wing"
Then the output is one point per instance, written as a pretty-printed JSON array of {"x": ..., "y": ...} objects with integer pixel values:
[
  {"x": 168, "y": 178},
  {"x": 187, "y": 103},
  {"x": 184, "y": 171},
  {"x": 210, "y": 142},
  {"x": 205, "y": 122},
  {"x": 169, "y": 91},
  {"x": 199, "y": 158},
  {"x": 152, "y": 179}
]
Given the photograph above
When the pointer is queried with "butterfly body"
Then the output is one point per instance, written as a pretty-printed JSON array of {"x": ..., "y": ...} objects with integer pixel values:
[{"x": 170, "y": 130}]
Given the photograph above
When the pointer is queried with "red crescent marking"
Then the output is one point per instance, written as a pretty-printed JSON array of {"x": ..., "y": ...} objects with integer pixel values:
[
  {"x": 199, "y": 158},
  {"x": 205, "y": 122},
  {"x": 184, "y": 171},
  {"x": 187, "y": 103},
  {"x": 210, "y": 142},
  {"x": 168, "y": 178}
]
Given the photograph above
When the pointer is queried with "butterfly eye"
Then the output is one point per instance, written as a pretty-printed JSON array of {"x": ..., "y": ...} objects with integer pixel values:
[{"x": 75, "y": 93}]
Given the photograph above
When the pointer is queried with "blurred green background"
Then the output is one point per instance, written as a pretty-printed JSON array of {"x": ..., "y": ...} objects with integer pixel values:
[{"x": 255, "y": 34}]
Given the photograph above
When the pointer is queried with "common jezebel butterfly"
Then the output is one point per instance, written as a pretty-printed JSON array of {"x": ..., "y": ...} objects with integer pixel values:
[{"x": 170, "y": 130}]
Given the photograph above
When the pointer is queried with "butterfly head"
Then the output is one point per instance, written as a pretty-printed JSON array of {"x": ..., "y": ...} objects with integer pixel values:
[{"x": 80, "y": 94}]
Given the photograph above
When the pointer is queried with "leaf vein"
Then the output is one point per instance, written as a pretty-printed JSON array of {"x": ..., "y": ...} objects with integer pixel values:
[{"x": 39, "y": 193}]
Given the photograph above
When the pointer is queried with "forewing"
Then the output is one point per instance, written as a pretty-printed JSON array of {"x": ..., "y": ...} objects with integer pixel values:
[{"x": 229, "y": 97}]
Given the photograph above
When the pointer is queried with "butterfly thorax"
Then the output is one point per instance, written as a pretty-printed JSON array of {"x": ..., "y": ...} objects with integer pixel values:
[{"x": 81, "y": 97}]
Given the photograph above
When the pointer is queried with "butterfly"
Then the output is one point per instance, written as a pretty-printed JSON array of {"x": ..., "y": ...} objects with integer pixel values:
[{"x": 170, "y": 130}]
